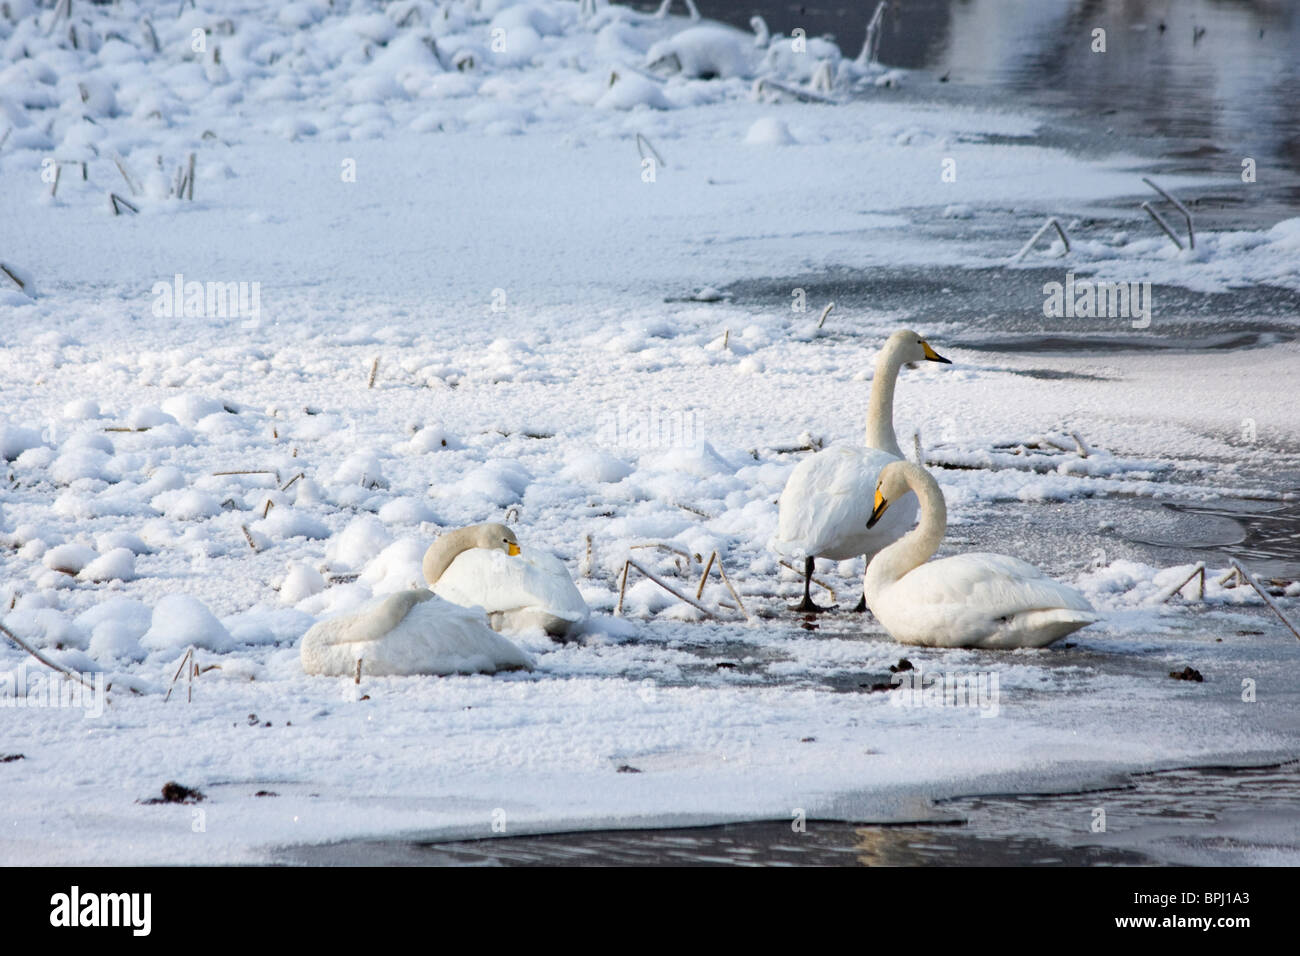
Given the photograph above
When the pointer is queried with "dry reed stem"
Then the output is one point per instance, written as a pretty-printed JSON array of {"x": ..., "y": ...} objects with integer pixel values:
[
  {"x": 1160, "y": 221},
  {"x": 43, "y": 659},
  {"x": 663, "y": 584},
  {"x": 699, "y": 592},
  {"x": 185, "y": 658},
  {"x": 1268, "y": 598},
  {"x": 1187, "y": 216},
  {"x": 1198, "y": 571}
]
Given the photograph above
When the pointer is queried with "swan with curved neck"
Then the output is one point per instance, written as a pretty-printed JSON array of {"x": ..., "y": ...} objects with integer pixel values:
[
  {"x": 482, "y": 566},
  {"x": 417, "y": 631},
  {"x": 448, "y": 547},
  {"x": 825, "y": 506},
  {"x": 968, "y": 600}
]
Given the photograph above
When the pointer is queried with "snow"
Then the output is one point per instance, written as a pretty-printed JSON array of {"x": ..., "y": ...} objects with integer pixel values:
[
  {"x": 180, "y": 620},
  {"x": 610, "y": 397},
  {"x": 769, "y": 131},
  {"x": 118, "y": 564}
]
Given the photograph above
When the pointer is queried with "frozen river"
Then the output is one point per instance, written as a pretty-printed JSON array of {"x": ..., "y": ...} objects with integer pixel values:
[{"x": 460, "y": 323}]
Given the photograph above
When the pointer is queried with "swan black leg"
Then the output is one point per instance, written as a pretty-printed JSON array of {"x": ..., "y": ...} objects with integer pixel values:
[
  {"x": 806, "y": 606},
  {"x": 861, "y": 606}
]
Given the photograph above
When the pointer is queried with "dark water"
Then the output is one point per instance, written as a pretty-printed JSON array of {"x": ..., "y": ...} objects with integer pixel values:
[
  {"x": 1204, "y": 100},
  {"x": 1227, "y": 816},
  {"x": 1187, "y": 101}
]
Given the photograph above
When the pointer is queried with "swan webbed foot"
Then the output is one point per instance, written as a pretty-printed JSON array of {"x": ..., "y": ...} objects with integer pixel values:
[
  {"x": 861, "y": 606},
  {"x": 806, "y": 606}
]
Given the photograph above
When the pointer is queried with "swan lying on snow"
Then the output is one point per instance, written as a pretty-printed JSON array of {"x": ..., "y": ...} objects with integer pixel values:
[
  {"x": 826, "y": 503},
  {"x": 482, "y": 566},
  {"x": 969, "y": 600},
  {"x": 410, "y": 632},
  {"x": 443, "y": 631}
]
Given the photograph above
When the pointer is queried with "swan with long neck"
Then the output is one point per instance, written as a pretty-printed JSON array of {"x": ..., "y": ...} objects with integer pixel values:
[
  {"x": 824, "y": 509},
  {"x": 416, "y": 631},
  {"x": 409, "y": 632},
  {"x": 969, "y": 600},
  {"x": 451, "y": 545},
  {"x": 482, "y": 566}
]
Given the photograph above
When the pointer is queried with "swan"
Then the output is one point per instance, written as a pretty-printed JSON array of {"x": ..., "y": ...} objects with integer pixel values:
[
  {"x": 409, "y": 632},
  {"x": 482, "y": 566},
  {"x": 824, "y": 508},
  {"x": 968, "y": 600}
]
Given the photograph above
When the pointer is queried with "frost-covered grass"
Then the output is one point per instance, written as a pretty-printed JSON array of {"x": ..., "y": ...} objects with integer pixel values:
[{"x": 187, "y": 480}]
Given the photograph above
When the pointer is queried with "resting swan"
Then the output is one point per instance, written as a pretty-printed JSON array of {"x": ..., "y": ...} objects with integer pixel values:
[
  {"x": 410, "y": 632},
  {"x": 417, "y": 631},
  {"x": 825, "y": 505},
  {"x": 482, "y": 566},
  {"x": 968, "y": 600}
]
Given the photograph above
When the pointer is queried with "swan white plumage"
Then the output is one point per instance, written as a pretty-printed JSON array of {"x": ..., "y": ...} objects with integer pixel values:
[
  {"x": 824, "y": 509},
  {"x": 410, "y": 632},
  {"x": 482, "y": 566},
  {"x": 969, "y": 600}
]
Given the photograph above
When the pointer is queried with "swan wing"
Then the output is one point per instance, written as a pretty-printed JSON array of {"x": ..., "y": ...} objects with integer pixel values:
[
  {"x": 533, "y": 581},
  {"x": 410, "y": 632},
  {"x": 827, "y": 502},
  {"x": 983, "y": 600}
]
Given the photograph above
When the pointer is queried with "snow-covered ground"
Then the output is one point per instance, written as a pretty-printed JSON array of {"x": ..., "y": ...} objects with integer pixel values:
[{"x": 489, "y": 236}]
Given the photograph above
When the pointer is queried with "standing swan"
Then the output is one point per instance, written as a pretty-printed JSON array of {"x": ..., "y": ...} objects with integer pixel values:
[
  {"x": 824, "y": 507},
  {"x": 969, "y": 600},
  {"x": 482, "y": 566}
]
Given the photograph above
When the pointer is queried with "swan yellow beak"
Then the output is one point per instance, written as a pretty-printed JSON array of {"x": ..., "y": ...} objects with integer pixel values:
[
  {"x": 512, "y": 549},
  {"x": 878, "y": 510},
  {"x": 932, "y": 355}
]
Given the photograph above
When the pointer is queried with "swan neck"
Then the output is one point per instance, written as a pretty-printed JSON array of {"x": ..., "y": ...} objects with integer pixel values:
[
  {"x": 919, "y": 545},
  {"x": 880, "y": 408},
  {"x": 446, "y": 549}
]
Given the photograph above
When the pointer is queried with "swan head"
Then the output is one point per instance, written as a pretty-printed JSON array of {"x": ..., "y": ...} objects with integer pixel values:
[
  {"x": 907, "y": 346},
  {"x": 891, "y": 486},
  {"x": 494, "y": 537}
]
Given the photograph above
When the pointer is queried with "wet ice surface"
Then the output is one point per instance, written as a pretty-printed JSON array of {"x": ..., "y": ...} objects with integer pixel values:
[
  {"x": 1205, "y": 817},
  {"x": 1000, "y": 310}
]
